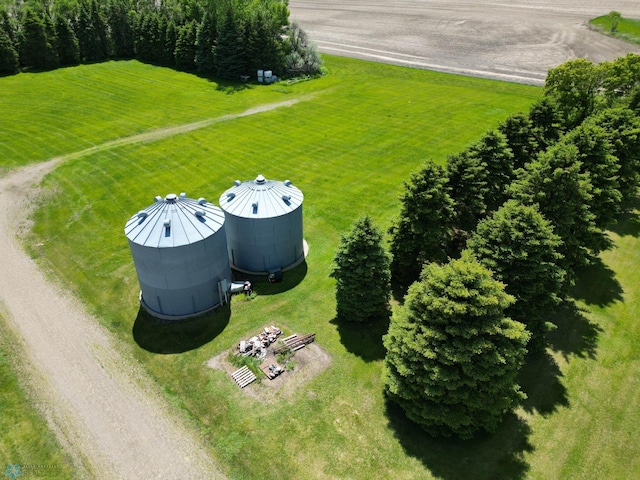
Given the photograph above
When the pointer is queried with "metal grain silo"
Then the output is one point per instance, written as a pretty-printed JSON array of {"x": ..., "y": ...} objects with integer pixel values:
[
  {"x": 179, "y": 249},
  {"x": 264, "y": 225}
]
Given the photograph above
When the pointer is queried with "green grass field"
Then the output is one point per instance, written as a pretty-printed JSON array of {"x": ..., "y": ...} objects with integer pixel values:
[
  {"x": 628, "y": 29},
  {"x": 352, "y": 139}
]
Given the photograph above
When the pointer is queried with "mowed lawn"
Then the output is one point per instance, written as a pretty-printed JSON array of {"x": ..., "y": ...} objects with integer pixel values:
[{"x": 349, "y": 143}]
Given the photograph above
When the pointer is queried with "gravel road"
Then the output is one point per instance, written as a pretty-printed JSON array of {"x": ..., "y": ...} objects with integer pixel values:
[
  {"x": 517, "y": 40},
  {"x": 105, "y": 411}
]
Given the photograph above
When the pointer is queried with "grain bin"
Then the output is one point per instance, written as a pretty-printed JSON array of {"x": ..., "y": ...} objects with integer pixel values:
[
  {"x": 179, "y": 249},
  {"x": 263, "y": 225}
]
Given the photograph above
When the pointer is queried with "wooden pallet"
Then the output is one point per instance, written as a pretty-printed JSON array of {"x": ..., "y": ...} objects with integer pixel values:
[{"x": 243, "y": 376}]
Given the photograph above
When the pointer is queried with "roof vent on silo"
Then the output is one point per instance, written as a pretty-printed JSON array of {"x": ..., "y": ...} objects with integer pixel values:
[
  {"x": 158, "y": 199},
  {"x": 230, "y": 196},
  {"x": 167, "y": 227},
  {"x": 255, "y": 207},
  {"x": 183, "y": 195},
  {"x": 142, "y": 214},
  {"x": 287, "y": 183},
  {"x": 237, "y": 183},
  {"x": 200, "y": 213},
  {"x": 202, "y": 201},
  {"x": 286, "y": 199},
  {"x": 260, "y": 180}
]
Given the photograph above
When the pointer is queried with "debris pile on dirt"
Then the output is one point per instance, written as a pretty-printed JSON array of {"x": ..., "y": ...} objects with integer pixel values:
[
  {"x": 257, "y": 346},
  {"x": 274, "y": 360}
]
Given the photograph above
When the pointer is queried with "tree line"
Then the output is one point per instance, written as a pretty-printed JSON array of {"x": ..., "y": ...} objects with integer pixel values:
[
  {"x": 489, "y": 245},
  {"x": 223, "y": 38}
]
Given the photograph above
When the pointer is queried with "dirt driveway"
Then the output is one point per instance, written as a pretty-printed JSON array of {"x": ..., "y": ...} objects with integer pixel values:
[
  {"x": 106, "y": 412},
  {"x": 515, "y": 40}
]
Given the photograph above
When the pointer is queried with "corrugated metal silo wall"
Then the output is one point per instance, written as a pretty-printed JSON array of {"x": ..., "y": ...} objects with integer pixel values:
[
  {"x": 265, "y": 244},
  {"x": 182, "y": 280}
]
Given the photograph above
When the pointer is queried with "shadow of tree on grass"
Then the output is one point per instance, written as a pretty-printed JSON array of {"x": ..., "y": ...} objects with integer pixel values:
[
  {"x": 574, "y": 334},
  {"x": 491, "y": 457},
  {"x": 540, "y": 378},
  {"x": 597, "y": 285},
  {"x": 629, "y": 222},
  {"x": 363, "y": 339},
  {"x": 178, "y": 336},
  {"x": 230, "y": 87}
]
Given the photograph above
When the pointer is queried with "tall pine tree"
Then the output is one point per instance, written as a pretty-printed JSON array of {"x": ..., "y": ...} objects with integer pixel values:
[
  {"x": 9, "y": 61},
  {"x": 229, "y": 51},
  {"x": 519, "y": 246},
  {"x": 452, "y": 355},
  {"x": 361, "y": 270},
  {"x": 563, "y": 195},
  {"x": 205, "y": 41},
  {"x": 185, "y": 52},
  {"x": 422, "y": 231}
]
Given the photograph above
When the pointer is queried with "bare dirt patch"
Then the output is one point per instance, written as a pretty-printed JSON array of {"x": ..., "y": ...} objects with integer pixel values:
[{"x": 309, "y": 362}]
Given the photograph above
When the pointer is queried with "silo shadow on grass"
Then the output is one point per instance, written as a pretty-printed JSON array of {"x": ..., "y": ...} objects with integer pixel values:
[
  {"x": 261, "y": 286},
  {"x": 487, "y": 456},
  {"x": 178, "y": 336}
]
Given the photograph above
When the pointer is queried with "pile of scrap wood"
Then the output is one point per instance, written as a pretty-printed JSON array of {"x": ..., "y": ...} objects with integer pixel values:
[
  {"x": 257, "y": 346},
  {"x": 295, "y": 342}
]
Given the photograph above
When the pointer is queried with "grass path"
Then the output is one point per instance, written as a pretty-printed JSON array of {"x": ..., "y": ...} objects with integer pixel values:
[{"x": 106, "y": 412}]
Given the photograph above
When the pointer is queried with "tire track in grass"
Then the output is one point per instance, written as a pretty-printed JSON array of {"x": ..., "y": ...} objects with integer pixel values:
[
  {"x": 106, "y": 411},
  {"x": 165, "y": 132}
]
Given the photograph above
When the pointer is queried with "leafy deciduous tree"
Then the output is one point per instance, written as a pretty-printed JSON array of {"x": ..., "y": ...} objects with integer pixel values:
[
  {"x": 574, "y": 86},
  {"x": 303, "y": 56},
  {"x": 615, "y": 18}
]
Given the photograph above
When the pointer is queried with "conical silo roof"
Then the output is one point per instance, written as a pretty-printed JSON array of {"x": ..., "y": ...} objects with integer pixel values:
[
  {"x": 261, "y": 198},
  {"x": 174, "y": 221}
]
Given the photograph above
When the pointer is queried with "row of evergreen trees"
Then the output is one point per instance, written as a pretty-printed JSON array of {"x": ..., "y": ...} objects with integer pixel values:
[
  {"x": 224, "y": 38},
  {"x": 490, "y": 244}
]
